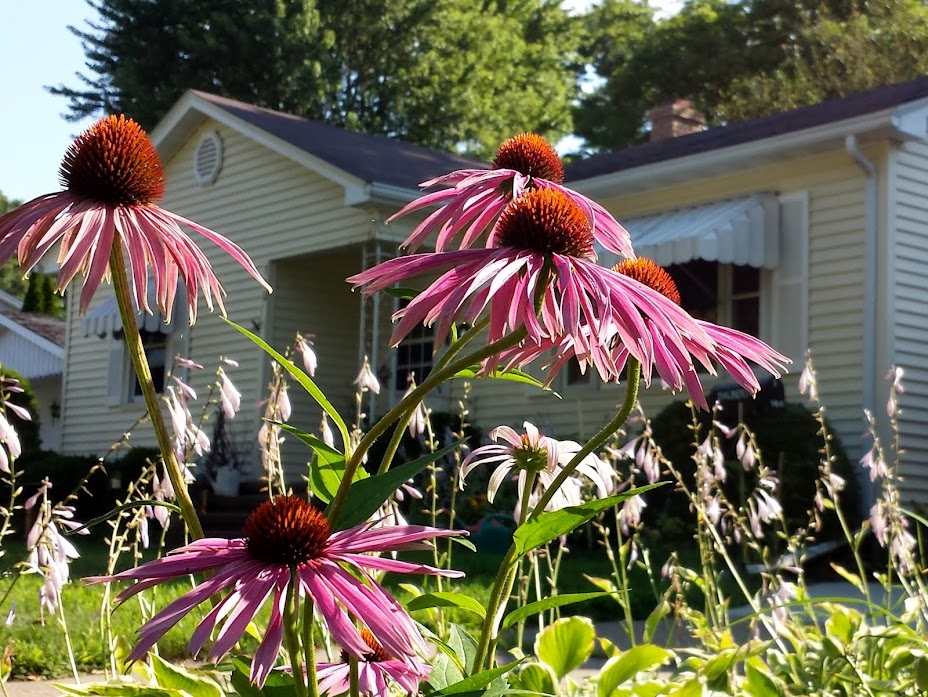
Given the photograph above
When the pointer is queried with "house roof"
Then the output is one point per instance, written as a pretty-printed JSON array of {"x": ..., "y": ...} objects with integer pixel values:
[
  {"x": 371, "y": 158},
  {"x": 49, "y": 328},
  {"x": 830, "y": 111}
]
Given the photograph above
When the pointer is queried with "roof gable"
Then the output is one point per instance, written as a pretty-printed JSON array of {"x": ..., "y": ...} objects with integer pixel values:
[{"x": 350, "y": 158}]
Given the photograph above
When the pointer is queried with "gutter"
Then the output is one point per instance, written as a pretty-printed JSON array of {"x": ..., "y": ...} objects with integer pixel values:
[{"x": 871, "y": 267}]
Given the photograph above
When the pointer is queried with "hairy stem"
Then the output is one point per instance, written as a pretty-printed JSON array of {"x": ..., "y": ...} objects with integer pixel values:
[
  {"x": 292, "y": 635},
  {"x": 140, "y": 363}
]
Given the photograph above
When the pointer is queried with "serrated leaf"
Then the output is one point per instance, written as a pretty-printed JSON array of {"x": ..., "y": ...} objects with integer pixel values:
[
  {"x": 628, "y": 664},
  {"x": 445, "y": 672},
  {"x": 552, "y": 524},
  {"x": 447, "y": 599},
  {"x": 463, "y": 645},
  {"x": 546, "y": 604},
  {"x": 305, "y": 381},
  {"x": 176, "y": 677},
  {"x": 566, "y": 644},
  {"x": 475, "y": 681},
  {"x": 365, "y": 496}
]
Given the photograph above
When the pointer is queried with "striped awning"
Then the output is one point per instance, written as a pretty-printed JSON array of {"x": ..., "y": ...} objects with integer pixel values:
[
  {"x": 742, "y": 231},
  {"x": 105, "y": 320}
]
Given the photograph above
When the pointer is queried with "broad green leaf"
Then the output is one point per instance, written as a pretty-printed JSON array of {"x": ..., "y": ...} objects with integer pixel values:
[
  {"x": 328, "y": 467},
  {"x": 628, "y": 664},
  {"x": 650, "y": 625},
  {"x": 119, "y": 689},
  {"x": 566, "y": 644},
  {"x": 176, "y": 677},
  {"x": 278, "y": 683},
  {"x": 365, "y": 496},
  {"x": 550, "y": 525},
  {"x": 512, "y": 375},
  {"x": 546, "y": 604},
  {"x": 921, "y": 673},
  {"x": 445, "y": 671},
  {"x": 535, "y": 677},
  {"x": 300, "y": 377},
  {"x": 463, "y": 645},
  {"x": 474, "y": 682},
  {"x": 759, "y": 683},
  {"x": 447, "y": 599}
]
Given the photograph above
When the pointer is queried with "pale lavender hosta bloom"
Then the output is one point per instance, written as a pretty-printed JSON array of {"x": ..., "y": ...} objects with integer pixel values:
[
  {"x": 366, "y": 379},
  {"x": 304, "y": 347},
  {"x": 49, "y": 551},
  {"x": 643, "y": 451},
  {"x": 325, "y": 432},
  {"x": 229, "y": 397},
  {"x": 377, "y": 671},
  {"x": 744, "y": 449},
  {"x": 891, "y": 530},
  {"x": 186, "y": 363},
  {"x": 188, "y": 436},
  {"x": 477, "y": 197},
  {"x": 10, "y": 439},
  {"x": 419, "y": 415},
  {"x": 896, "y": 388},
  {"x": 533, "y": 452},
  {"x": 114, "y": 179},
  {"x": 763, "y": 506},
  {"x": 874, "y": 462},
  {"x": 778, "y": 601},
  {"x": 630, "y": 513},
  {"x": 287, "y": 540}
]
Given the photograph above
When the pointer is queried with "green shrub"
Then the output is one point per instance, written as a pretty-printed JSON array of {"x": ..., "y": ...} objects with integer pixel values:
[{"x": 789, "y": 443}]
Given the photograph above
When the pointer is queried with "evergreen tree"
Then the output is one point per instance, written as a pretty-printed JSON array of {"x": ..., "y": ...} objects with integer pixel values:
[{"x": 33, "y": 300}]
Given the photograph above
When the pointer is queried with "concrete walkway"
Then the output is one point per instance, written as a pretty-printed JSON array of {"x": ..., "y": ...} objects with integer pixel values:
[{"x": 614, "y": 631}]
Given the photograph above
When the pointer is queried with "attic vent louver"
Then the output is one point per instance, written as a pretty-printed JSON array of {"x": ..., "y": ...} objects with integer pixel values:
[{"x": 208, "y": 159}]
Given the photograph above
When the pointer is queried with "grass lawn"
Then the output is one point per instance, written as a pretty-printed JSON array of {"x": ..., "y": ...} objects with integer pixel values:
[{"x": 38, "y": 647}]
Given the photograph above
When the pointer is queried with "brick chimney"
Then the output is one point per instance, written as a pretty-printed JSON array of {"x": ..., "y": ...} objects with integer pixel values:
[{"x": 675, "y": 118}]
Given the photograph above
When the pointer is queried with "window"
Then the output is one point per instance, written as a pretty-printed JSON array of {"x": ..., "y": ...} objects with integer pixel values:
[
  {"x": 156, "y": 350},
  {"x": 575, "y": 376},
  {"x": 414, "y": 355},
  {"x": 720, "y": 293}
]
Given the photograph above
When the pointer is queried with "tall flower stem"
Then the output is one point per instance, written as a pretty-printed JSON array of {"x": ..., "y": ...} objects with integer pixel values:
[
  {"x": 142, "y": 371},
  {"x": 501, "y": 585},
  {"x": 293, "y": 636},
  {"x": 309, "y": 647},
  {"x": 435, "y": 378}
]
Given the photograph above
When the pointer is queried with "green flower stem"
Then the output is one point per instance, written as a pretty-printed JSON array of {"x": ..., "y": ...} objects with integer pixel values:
[
  {"x": 446, "y": 358},
  {"x": 309, "y": 647},
  {"x": 633, "y": 381},
  {"x": 140, "y": 363},
  {"x": 435, "y": 378},
  {"x": 353, "y": 689},
  {"x": 502, "y": 584},
  {"x": 293, "y": 636}
]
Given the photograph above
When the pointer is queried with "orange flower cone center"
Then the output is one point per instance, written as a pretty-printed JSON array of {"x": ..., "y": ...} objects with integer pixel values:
[
  {"x": 531, "y": 155},
  {"x": 286, "y": 530},
  {"x": 114, "y": 162},
  {"x": 546, "y": 221},
  {"x": 650, "y": 274}
]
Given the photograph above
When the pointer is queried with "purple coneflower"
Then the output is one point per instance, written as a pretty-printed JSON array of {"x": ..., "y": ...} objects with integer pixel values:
[
  {"x": 532, "y": 452},
  {"x": 671, "y": 352},
  {"x": 541, "y": 276},
  {"x": 288, "y": 540},
  {"x": 113, "y": 178},
  {"x": 376, "y": 670},
  {"x": 478, "y": 196}
]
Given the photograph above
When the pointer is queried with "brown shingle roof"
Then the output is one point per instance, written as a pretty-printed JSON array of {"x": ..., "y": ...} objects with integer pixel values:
[
  {"x": 51, "y": 328},
  {"x": 719, "y": 137},
  {"x": 371, "y": 158}
]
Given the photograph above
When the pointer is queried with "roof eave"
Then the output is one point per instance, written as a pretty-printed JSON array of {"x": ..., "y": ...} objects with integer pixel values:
[
  {"x": 905, "y": 122},
  {"x": 38, "y": 340}
]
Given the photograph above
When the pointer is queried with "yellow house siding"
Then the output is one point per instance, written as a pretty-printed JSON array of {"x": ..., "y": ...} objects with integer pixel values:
[{"x": 910, "y": 289}]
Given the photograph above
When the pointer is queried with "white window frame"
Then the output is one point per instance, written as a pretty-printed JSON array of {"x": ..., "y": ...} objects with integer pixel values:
[{"x": 121, "y": 379}]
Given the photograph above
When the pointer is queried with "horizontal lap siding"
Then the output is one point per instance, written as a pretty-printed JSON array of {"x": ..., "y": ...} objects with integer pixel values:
[
  {"x": 910, "y": 292},
  {"x": 835, "y": 189},
  {"x": 270, "y": 206}
]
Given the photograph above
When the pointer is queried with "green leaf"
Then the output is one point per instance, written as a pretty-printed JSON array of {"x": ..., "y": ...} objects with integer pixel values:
[
  {"x": 475, "y": 681},
  {"x": 119, "y": 689},
  {"x": 176, "y": 677},
  {"x": 278, "y": 683},
  {"x": 463, "y": 645},
  {"x": 566, "y": 644},
  {"x": 298, "y": 375},
  {"x": 445, "y": 671},
  {"x": 447, "y": 599},
  {"x": 328, "y": 467},
  {"x": 535, "y": 677},
  {"x": 660, "y": 612},
  {"x": 550, "y": 525},
  {"x": 512, "y": 375},
  {"x": 365, "y": 496},
  {"x": 402, "y": 293},
  {"x": 628, "y": 664},
  {"x": 759, "y": 683},
  {"x": 546, "y": 604}
]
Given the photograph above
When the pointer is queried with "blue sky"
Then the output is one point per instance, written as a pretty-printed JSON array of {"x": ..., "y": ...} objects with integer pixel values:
[{"x": 36, "y": 49}]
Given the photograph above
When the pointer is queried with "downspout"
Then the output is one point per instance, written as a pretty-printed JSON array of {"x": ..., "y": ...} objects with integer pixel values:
[{"x": 871, "y": 268}]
